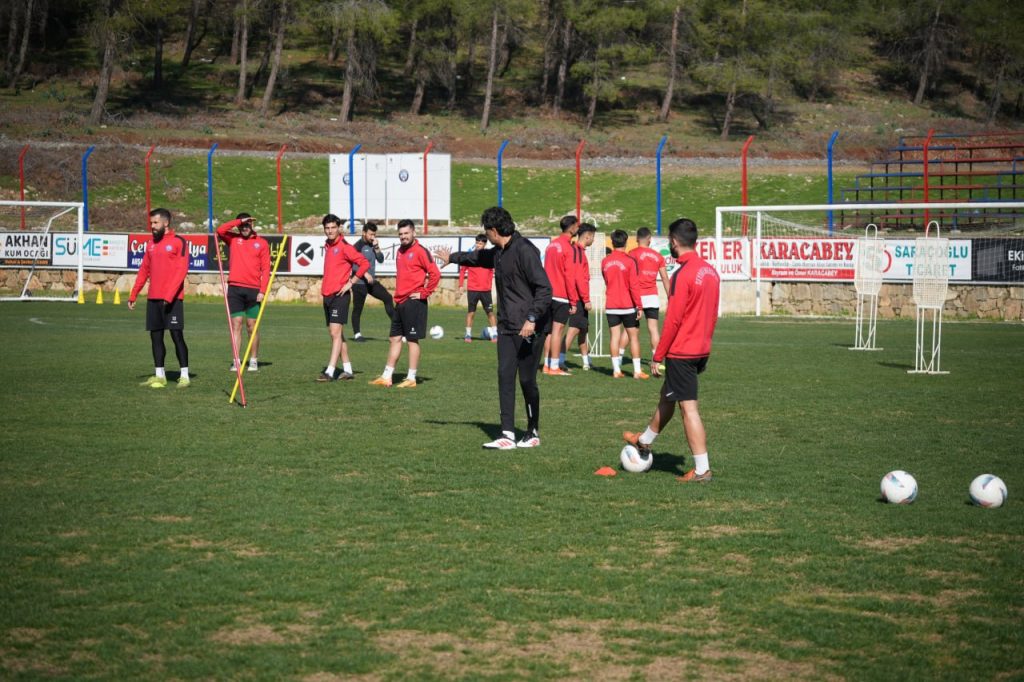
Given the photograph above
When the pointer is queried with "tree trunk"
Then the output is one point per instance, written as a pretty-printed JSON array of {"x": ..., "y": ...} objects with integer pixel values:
[
  {"x": 350, "y": 74},
  {"x": 106, "y": 71},
  {"x": 492, "y": 67},
  {"x": 190, "y": 34},
  {"x": 417, "y": 97},
  {"x": 592, "y": 109},
  {"x": 243, "y": 49},
  {"x": 410, "y": 57},
  {"x": 12, "y": 39},
  {"x": 997, "y": 92},
  {"x": 268, "y": 92},
  {"x": 158, "y": 55},
  {"x": 236, "y": 37},
  {"x": 20, "y": 66},
  {"x": 332, "y": 51},
  {"x": 673, "y": 67},
  {"x": 730, "y": 107},
  {"x": 930, "y": 58},
  {"x": 563, "y": 67},
  {"x": 44, "y": 15},
  {"x": 550, "y": 47}
]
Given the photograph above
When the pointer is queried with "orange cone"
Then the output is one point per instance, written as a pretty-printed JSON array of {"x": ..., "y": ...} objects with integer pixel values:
[{"x": 605, "y": 471}]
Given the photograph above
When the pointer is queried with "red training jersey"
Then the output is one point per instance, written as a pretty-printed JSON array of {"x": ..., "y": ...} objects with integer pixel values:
[
  {"x": 558, "y": 264},
  {"x": 582, "y": 274},
  {"x": 248, "y": 259},
  {"x": 415, "y": 272},
  {"x": 620, "y": 284},
  {"x": 648, "y": 263},
  {"x": 692, "y": 310},
  {"x": 165, "y": 265},
  {"x": 477, "y": 278},
  {"x": 339, "y": 259}
]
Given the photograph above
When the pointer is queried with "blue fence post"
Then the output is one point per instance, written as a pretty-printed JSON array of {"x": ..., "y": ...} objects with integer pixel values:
[
  {"x": 501, "y": 152},
  {"x": 661, "y": 146},
  {"x": 209, "y": 187},
  {"x": 352, "y": 190},
  {"x": 85, "y": 188},
  {"x": 831, "y": 144}
]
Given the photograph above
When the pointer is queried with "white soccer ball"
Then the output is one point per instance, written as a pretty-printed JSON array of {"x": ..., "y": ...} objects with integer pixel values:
[
  {"x": 988, "y": 491},
  {"x": 437, "y": 332},
  {"x": 633, "y": 462},
  {"x": 899, "y": 487}
]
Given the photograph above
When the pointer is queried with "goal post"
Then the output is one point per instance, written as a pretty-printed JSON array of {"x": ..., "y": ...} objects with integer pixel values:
[{"x": 41, "y": 258}]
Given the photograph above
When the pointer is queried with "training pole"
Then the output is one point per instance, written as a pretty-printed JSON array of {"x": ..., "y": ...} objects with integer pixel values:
[
  {"x": 501, "y": 154},
  {"x": 579, "y": 196},
  {"x": 239, "y": 367},
  {"x": 430, "y": 146},
  {"x": 259, "y": 318},
  {"x": 831, "y": 145},
  {"x": 21, "y": 180},
  {"x": 209, "y": 187},
  {"x": 661, "y": 146},
  {"x": 85, "y": 188},
  {"x": 352, "y": 189}
]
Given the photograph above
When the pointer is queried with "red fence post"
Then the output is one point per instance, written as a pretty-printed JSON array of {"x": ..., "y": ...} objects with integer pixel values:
[{"x": 743, "y": 179}]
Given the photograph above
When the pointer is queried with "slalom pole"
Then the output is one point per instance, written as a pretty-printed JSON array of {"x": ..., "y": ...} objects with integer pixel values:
[
  {"x": 661, "y": 146},
  {"x": 259, "y": 318},
  {"x": 501, "y": 153},
  {"x": 579, "y": 196},
  {"x": 231, "y": 328}
]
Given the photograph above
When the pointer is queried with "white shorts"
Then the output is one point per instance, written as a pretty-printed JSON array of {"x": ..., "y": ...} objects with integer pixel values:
[{"x": 650, "y": 301}]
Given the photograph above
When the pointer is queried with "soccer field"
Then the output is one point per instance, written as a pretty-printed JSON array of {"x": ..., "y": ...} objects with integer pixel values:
[{"x": 338, "y": 531}]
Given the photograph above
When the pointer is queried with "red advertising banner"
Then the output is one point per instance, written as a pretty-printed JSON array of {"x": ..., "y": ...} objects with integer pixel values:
[{"x": 798, "y": 258}]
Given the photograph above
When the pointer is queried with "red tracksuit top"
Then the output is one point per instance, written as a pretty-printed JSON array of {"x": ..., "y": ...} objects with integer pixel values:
[
  {"x": 620, "y": 285},
  {"x": 339, "y": 258},
  {"x": 692, "y": 310},
  {"x": 165, "y": 265},
  {"x": 479, "y": 279},
  {"x": 558, "y": 264},
  {"x": 415, "y": 272},
  {"x": 249, "y": 259},
  {"x": 648, "y": 263},
  {"x": 582, "y": 274}
]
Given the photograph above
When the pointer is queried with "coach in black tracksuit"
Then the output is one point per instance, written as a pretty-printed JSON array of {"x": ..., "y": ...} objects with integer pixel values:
[{"x": 524, "y": 301}]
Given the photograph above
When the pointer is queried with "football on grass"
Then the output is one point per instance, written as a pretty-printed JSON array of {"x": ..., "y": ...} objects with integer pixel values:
[
  {"x": 437, "y": 332},
  {"x": 988, "y": 491},
  {"x": 633, "y": 461},
  {"x": 899, "y": 487}
]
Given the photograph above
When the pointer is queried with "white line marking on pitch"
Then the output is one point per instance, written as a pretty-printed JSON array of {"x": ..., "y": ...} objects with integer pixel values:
[{"x": 36, "y": 320}]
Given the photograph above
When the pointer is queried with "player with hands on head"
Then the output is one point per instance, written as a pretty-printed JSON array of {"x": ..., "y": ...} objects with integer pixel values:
[
  {"x": 343, "y": 266},
  {"x": 248, "y": 277}
]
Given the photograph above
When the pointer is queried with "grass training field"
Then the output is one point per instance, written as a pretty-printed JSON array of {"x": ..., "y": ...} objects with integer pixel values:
[{"x": 340, "y": 531}]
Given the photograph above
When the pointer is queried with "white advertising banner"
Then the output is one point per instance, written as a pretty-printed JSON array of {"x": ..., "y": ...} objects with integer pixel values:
[
  {"x": 98, "y": 250},
  {"x": 899, "y": 260}
]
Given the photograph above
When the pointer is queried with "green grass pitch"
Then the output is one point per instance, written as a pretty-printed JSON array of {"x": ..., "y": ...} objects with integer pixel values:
[{"x": 338, "y": 531}]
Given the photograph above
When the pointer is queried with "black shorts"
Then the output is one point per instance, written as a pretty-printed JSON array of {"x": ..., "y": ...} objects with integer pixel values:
[
  {"x": 410, "y": 319},
  {"x": 165, "y": 315},
  {"x": 651, "y": 313},
  {"x": 580, "y": 319},
  {"x": 681, "y": 378},
  {"x": 336, "y": 308},
  {"x": 559, "y": 312},
  {"x": 481, "y": 297},
  {"x": 627, "y": 320},
  {"x": 242, "y": 301}
]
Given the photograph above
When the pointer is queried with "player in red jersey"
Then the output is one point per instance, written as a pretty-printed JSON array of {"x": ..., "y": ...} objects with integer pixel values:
[
  {"x": 685, "y": 347},
  {"x": 579, "y": 322},
  {"x": 622, "y": 304},
  {"x": 650, "y": 265},
  {"x": 560, "y": 268},
  {"x": 165, "y": 266},
  {"x": 478, "y": 281},
  {"x": 343, "y": 266},
  {"x": 248, "y": 277},
  {"x": 416, "y": 278}
]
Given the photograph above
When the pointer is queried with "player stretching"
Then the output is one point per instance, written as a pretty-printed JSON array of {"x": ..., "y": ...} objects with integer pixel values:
[
  {"x": 248, "y": 276},
  {"x": 165, "y": 265},
  {"x": 343, "y": 266},
  {"x": 650, "y": 264},
  {"x": 622, "y": 305},
  {"x": 416, "y": 277},
  {"x": 685, "y": 346},
  {"x": 579, "y": 322},
  {"x": 558, "y": 264},
  {"x": 478, "y": 290}
]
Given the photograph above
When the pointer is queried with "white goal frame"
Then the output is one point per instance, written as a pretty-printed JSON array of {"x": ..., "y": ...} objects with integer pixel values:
[{"x": 67, "y": 207}]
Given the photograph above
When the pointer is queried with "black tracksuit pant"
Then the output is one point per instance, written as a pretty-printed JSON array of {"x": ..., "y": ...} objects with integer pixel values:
[
  {"x": 517, "y": 355},
  {"x": 360, "y": 290}
]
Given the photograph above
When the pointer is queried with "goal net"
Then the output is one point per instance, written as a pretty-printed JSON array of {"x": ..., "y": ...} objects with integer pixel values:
[{"x": 41, "y": 250}]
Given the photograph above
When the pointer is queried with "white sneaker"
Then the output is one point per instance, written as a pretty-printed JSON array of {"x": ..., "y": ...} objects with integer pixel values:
[
  {"x": 254, "y": 367},
  {"x": 530, "y": 440},
  {"x": 502, "y": 443}
]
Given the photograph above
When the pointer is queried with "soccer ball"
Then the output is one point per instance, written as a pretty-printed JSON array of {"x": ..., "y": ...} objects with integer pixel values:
[
  {"x": 437, "y": 332},
  {"x": 988, "y": 491},
  {"x": 633, "y": 462},
  {"x": 899, "y": 487},
  {"x": 485, "y": 334}
]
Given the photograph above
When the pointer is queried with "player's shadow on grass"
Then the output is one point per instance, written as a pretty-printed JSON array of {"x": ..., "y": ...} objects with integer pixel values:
[
  {"x": 672, "y": 464},
  {"x": 896, "y": 365},
  {"x": 490, "y": 429}
]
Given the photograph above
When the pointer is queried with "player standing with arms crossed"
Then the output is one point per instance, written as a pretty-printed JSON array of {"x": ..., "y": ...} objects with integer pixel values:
[
  {"x": 165, "y": 266},
  {"x": 650, "y": 264},
  {"x": 416, "y": 278},
  {"x": 248, "y": 277},
  {"x": 558, "y": 264},
  {"x": 622, "y": 305},
  {"x": 685, "y": 347},
  {"x": 524, "y": 300},
  {"x": 343, "y": 266},
  {"x": 478, "y": 282}
]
